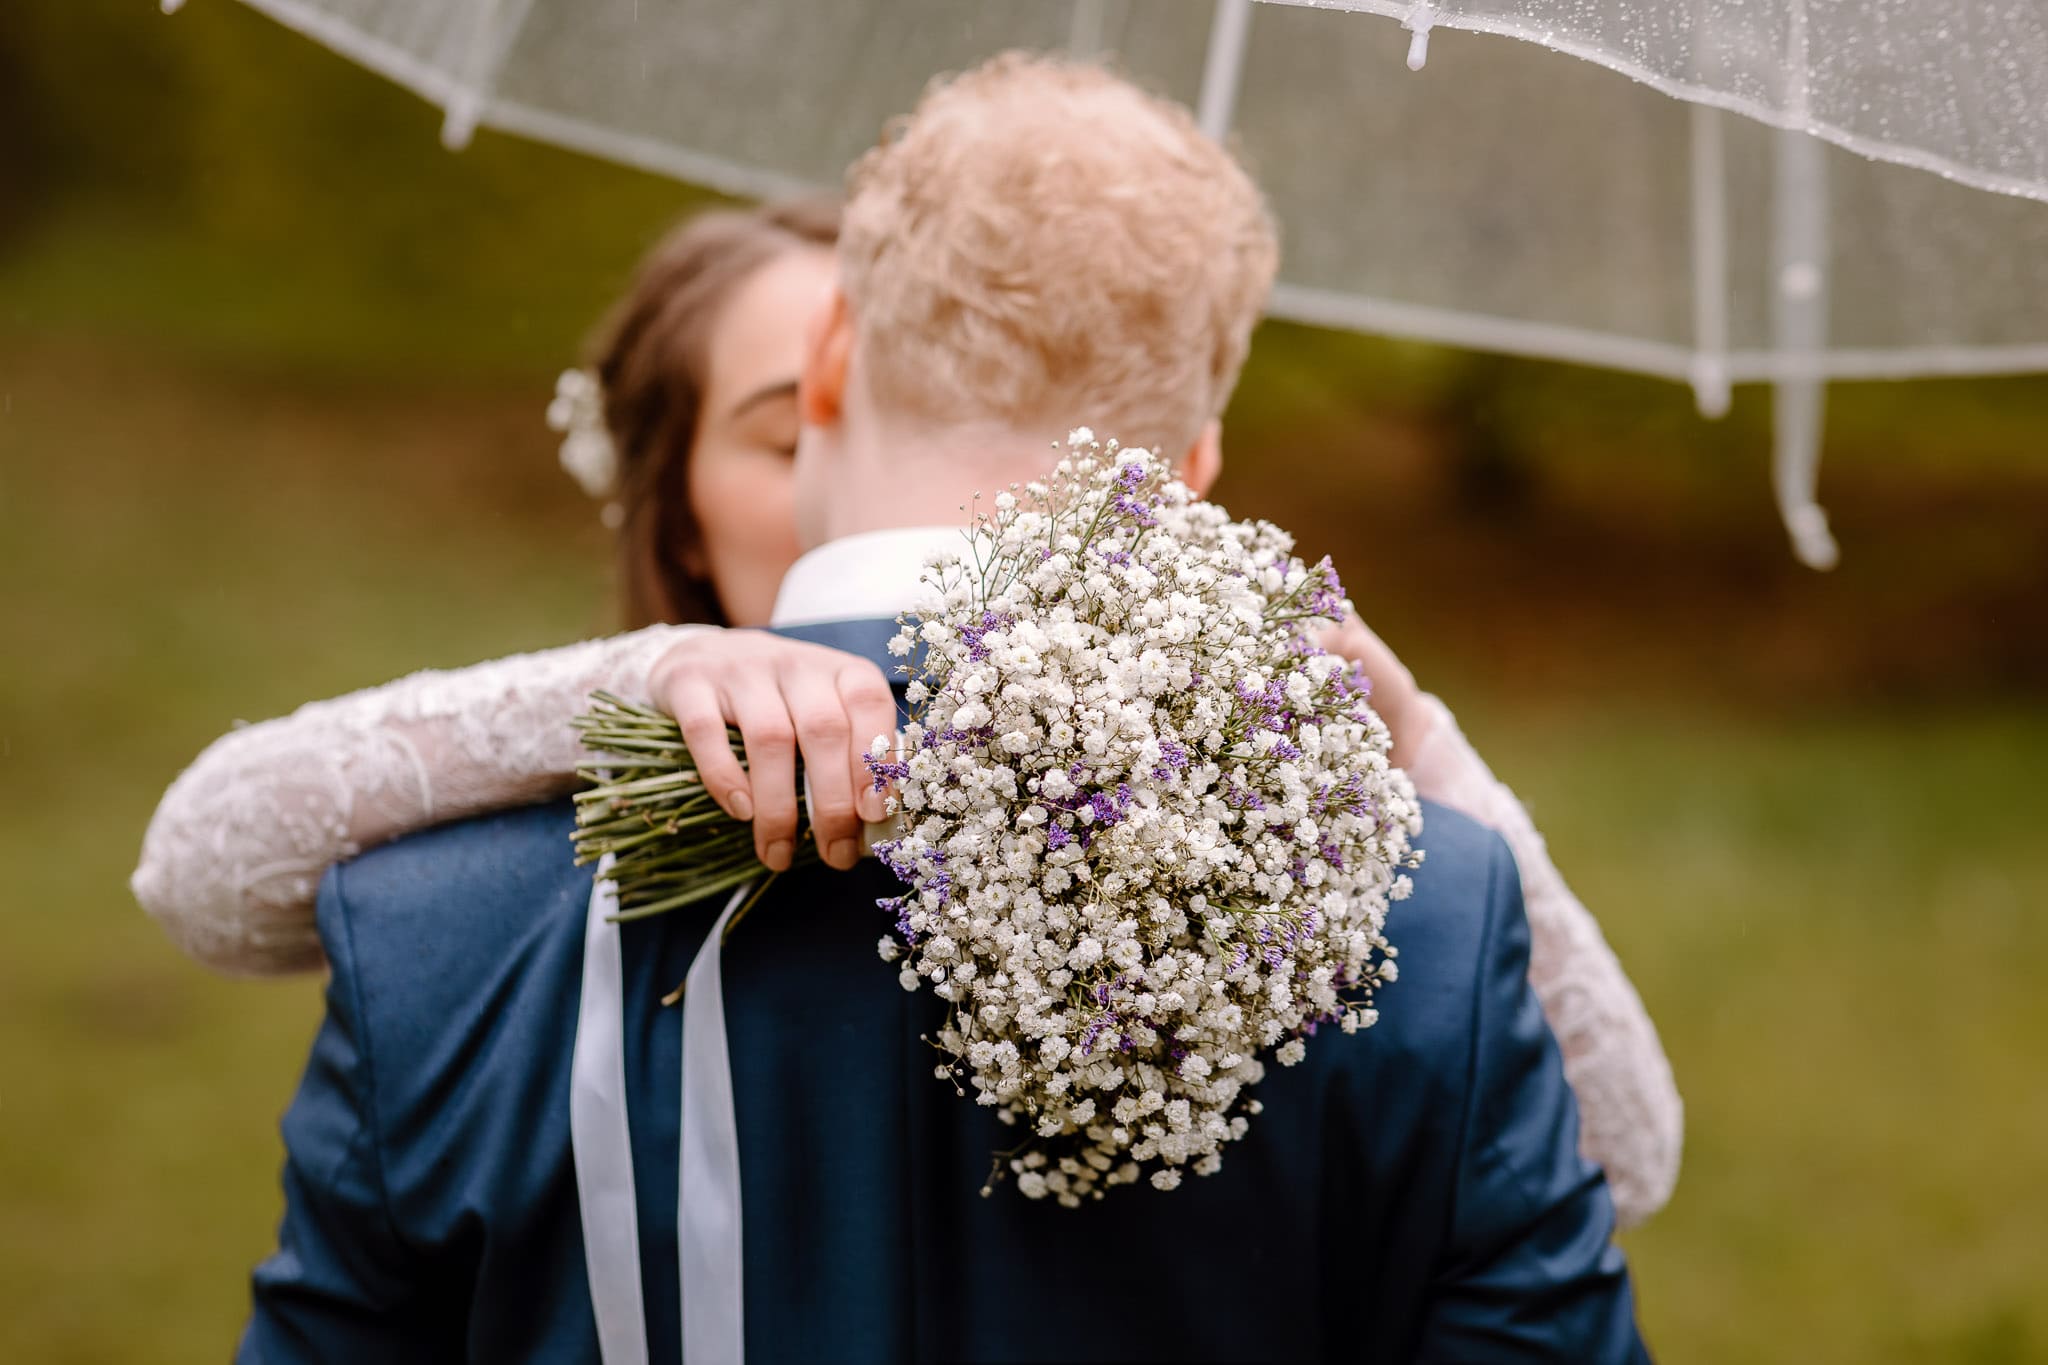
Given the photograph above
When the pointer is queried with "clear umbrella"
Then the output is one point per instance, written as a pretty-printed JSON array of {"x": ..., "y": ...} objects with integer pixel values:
[{"x": 1878, "y": 209}]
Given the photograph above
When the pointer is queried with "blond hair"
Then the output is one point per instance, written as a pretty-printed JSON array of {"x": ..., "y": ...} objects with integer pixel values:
[{"x": 1043, "y": 244}]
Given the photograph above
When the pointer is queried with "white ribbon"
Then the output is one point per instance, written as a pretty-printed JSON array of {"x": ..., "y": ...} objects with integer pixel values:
[
  {"x": 599, "y": 1139},
  {"x": 708, "y": 1214},
  {"x": 708, "y": 1211}
]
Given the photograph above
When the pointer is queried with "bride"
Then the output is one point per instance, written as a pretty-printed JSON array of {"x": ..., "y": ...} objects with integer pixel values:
[{"x": 687, "y": 429}]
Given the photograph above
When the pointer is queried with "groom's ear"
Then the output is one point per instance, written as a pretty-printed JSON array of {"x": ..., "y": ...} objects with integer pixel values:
[
  {"x": 1203, "y": 464},
  {"x": 828, "y": 350}
]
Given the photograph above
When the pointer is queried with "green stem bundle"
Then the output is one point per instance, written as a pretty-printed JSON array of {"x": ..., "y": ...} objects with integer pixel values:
[{"x": 671, "y": 843}]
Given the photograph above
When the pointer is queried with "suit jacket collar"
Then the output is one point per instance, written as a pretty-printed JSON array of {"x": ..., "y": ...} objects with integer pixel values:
[{"x": 869, "y": 639}]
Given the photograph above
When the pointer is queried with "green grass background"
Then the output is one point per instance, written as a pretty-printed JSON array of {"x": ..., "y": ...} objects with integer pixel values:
[{"x": 271, "y": 367}]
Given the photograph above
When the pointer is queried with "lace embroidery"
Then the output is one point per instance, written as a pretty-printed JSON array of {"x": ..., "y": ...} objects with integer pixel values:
[
  {"x": 1631, "y": 1120},
  {"x": 233, "y": 858}
]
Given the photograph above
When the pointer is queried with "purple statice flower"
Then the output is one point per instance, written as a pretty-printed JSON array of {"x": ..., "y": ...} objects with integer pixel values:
[
  {"x": 1244, "y": 951},
  {"x": 884, "y": 772},
  {"x": 890, "y": 854},
  {"x": 973, "y": 634},
  {"x": 1266, "y": 707},
  {"x": 1126, "y": 504},
  {"x": 1273, "y": 958},
  {"x": 980, "y": 734},
  {"x": 1350, "y": 796},
  {"x": 1351, "y": 684},
  {"x": 925, "y": 871},
  {"x": 940, "y": 882},
  {"x": 1110, "y": 808},
  {"x": 899, "y": 906},
  {"x": 1056, "y": 836},
  {"x": 1119, "y": 558},
  {"x": 1327, "y": 600},
  {"x": 1140, "y": 512},
  {"x": 1173, "y": 758},
  {"x": 1095, "y": 1029}
]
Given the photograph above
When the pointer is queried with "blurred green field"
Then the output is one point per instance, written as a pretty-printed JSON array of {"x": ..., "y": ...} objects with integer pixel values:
[
  {"x": 1836, "y": 917},
  {"x": 271, "y": 367}
]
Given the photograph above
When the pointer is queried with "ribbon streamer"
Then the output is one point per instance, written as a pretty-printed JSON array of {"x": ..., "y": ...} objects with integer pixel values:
[{"x": 708, "y": 1213}]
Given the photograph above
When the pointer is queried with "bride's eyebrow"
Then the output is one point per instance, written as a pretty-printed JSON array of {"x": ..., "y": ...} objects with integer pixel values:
[{"x": 767, "y": 393}]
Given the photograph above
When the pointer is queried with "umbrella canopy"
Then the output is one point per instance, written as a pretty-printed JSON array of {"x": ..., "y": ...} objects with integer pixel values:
[{"x": 1878, "y": 208}]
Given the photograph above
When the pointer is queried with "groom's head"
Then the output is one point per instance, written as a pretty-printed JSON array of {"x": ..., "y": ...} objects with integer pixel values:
[{"x": 1040, "y": 245}]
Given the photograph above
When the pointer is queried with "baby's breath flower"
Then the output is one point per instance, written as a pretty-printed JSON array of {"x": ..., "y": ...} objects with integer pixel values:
[{"x": 1151, "y": 831}]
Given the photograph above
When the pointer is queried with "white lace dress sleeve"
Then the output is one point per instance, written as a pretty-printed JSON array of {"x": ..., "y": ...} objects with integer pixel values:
[
  {"x": 1631, "y": 1120},
  {"x": 233, "y": 857}
]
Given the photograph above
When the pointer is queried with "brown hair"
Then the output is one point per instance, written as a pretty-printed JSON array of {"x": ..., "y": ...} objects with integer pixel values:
[{"x": 652, "y": 358}]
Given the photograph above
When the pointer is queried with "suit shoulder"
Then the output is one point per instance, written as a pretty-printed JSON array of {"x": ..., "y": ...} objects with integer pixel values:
[
  {"x": 455, "y": 958},
  {"x": 1466, "y": 884},
  {"x": 1445, "y": 936},
  {"x": 438, "y": 910}
]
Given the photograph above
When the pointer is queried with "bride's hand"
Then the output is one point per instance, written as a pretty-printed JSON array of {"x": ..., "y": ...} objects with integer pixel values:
[
  {"x": 785, "y": 697},
  {"x": 1394, "y": 693}
]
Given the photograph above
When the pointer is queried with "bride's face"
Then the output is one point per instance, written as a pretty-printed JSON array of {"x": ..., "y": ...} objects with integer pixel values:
[{"x": 740, "y": 482}]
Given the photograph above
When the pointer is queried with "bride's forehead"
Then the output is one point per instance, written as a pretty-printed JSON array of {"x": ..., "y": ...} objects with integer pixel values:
[{"x": 759, "y": 338}]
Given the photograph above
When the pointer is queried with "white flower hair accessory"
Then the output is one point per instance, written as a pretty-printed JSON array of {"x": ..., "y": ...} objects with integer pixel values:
[{"x": 587, "y": 451}]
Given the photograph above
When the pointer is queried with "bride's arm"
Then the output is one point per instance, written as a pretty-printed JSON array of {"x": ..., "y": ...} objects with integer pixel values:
[
  {"x": 235, "y": 852},
  {"x": 1631, "y": 1120}
]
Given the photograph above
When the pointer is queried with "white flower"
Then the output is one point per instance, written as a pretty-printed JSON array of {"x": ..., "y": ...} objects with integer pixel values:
[
  {"x": 587, "y": 453},
  {"x": 1136, "y": 842}
]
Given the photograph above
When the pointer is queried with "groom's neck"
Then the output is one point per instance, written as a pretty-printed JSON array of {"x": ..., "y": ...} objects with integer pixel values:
[{"x": 927, "y": 476}]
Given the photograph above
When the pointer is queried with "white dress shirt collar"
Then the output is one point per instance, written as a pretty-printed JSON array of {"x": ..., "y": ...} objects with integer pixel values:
[{"x": 870, "y": 576}]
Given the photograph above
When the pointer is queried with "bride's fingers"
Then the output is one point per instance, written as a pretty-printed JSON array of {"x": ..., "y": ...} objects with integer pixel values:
[
  {"x": 824, "y": 734},
  {"x": 697, "y": 710},
  {"x": 872, "y": 706},
  {"x": 770, "y": 742}
]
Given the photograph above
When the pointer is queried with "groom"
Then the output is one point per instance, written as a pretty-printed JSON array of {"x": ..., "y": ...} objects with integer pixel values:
[{"x": 1041, "y": 245}]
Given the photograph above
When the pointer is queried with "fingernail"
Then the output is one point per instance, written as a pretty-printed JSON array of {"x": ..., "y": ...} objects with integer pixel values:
[
  {"x": 844, "y": 854},
  {"x": 779, "y": 854},
  {"x": 742, "y": 804}
]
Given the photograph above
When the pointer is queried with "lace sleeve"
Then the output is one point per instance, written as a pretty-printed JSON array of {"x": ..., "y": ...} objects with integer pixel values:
[
  {"x": 1632, "y": 1121},
  {"x": 233, "y": 857}
]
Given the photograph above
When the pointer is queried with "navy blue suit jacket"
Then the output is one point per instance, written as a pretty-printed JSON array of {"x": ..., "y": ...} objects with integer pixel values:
[{"x": 1412, "y": 1192}]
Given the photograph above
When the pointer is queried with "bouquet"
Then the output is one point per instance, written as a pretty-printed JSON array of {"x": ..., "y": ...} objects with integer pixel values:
[{"x": 1147, "y": 829}]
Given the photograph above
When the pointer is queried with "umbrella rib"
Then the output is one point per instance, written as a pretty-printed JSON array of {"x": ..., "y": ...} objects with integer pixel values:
[
  {"x": 1085, "y": 28},
  {"x": 1709, "y": 263},
  {"x": 1223, "y": 69},
  {"x": 1799, "y": 322},
  {"x": 490, "y": 43}
]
